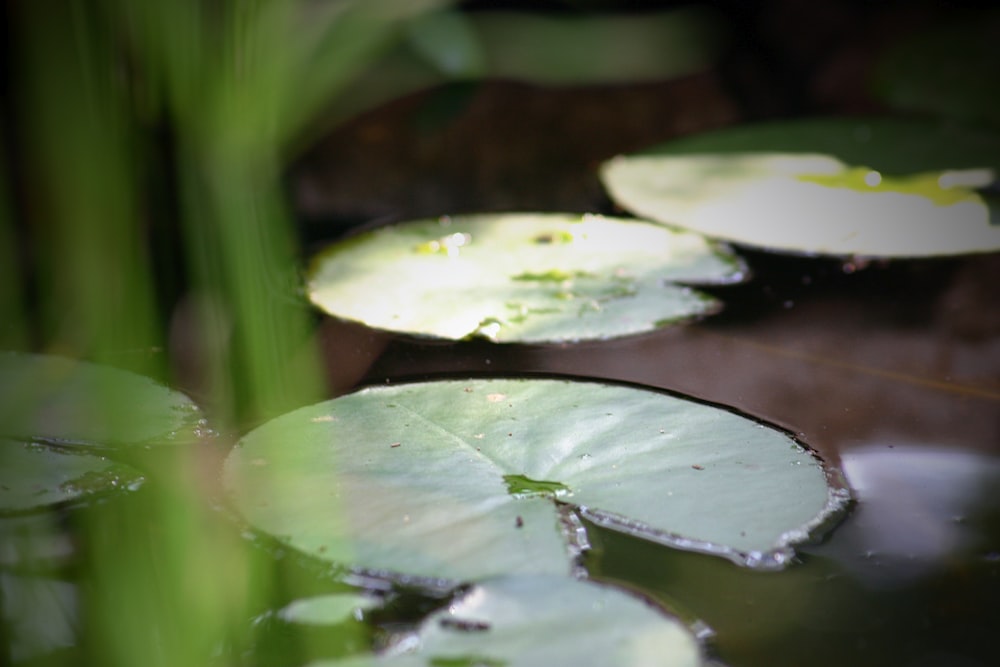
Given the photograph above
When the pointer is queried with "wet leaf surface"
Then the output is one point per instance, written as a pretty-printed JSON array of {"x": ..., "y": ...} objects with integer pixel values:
[
  {"x": 455, "y": 479},
  {"x": 520, "y": 277}
]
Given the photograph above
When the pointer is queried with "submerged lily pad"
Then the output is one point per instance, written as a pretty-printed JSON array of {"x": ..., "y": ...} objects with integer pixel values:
[
  {"x": 539, "y": 621},
  {"x": 871, "y": 187},
  {"x": 460, "y": 480},
  {"x": 520, "y": 277},
  {"x": 55, "y": 399}
]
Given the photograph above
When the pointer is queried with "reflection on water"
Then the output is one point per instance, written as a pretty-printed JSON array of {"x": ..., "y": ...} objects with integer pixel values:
[
  {"x": 920, "y": 510},
  {"x": 910, "y": 578}
]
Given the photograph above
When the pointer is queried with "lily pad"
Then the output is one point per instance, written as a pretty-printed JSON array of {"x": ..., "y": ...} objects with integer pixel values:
[
  {"x": 57, "y": 415},
  {"x": 461, "y": 479},
  {"x": 520, "y": 277},
  {"x": 35, "y": 476},
  {"x": 55, "y": 399},
  {"x": 810, "y": 203},
  {"x": 538, "y": 621},
  {"x": 847, "y": 186}
]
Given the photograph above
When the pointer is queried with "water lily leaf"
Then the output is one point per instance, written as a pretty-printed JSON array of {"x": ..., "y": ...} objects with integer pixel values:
[
  {"x": 520, "y": 277},
  {"x": 948, "y": 69},
  {"x": 35, "y": 476},
  {"x": 74, "y": 403},
  {"x": 460, "y": 479},
  {"x": 810, "y": 203},
  {"x": 538, "y": 621}
]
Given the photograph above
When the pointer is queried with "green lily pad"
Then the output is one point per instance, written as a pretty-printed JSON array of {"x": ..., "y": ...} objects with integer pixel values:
[
  {"x": 810, "y": 203},
  {"x": 35, "y": 476},
  {"x": 949, "y": 69},
  {"x": 75, "y": 403},
  {"x": 520, "y": 277},
  {"x": 538, "y": 621},
  {"x": 462, "y": 479}
]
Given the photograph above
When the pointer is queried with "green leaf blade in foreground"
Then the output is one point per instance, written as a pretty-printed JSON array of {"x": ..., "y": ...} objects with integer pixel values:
[
  {"x": 421, "y": 473},
  {"x": 539, "y": 621},
  {"x": 520, "y": 277},
  {"x": 68, "y": 402},
  {"x": 834, "y": 187}
]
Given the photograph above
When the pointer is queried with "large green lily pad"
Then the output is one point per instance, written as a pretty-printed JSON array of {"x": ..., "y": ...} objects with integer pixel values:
[
  {"x": 539, "y": 621},
  {"x": 458, "y": 479},
  {"x": 869, "y": 187},
  {"x": 520, "y": 277},
  {"x": 46, "y": 398}
]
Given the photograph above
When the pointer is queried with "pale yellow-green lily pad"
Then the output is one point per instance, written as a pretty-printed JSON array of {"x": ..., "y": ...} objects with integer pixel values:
[
  {"x": 521, "y": 277},
  {"x": 809, "y": 203}
]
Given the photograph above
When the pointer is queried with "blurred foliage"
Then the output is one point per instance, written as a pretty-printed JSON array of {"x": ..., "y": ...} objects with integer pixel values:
[
  {"x": 146, "y": 145},
  {"x": 137, "y": 123}
]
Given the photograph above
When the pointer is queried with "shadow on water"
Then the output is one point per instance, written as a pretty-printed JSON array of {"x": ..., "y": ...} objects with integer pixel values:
[{"x": 890, "y": 372}]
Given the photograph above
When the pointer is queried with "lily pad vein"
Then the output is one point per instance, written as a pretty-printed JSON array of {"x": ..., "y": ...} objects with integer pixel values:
[{"x": 477, "y": 451}]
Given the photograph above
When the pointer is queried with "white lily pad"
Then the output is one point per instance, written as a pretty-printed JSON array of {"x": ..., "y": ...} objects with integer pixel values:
[
  {"x": 35, "y": 476},
  {"x": 837, "y": 187},
  {"x": 456, "y": 479},
  {"x": 47, "y": 398},
  {"x": 539, "y": 621},
  {"x": 520, "y": 277}
]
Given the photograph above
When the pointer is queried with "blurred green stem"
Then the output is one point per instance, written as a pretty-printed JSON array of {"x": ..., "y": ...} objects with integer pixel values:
[
  {"x": 242, "y": 254},
  {"x": 97, "y": 299}
]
